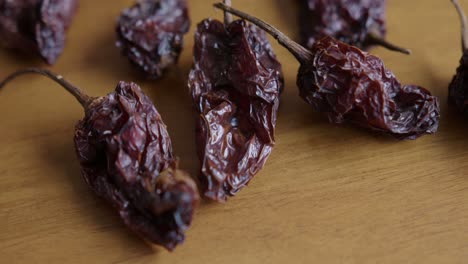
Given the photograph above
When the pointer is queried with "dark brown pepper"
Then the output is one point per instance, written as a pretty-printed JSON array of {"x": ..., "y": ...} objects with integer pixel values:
[
  {"x": 235, "y": 84},
  {"x": 125, "y": 155},
  {"x": 353, "y": 86},
  {"x": 151, "y": 33},
  {"x": 359, "y": 23},
  {"x": 458, "y": 88},
  {"x": 36, "y": 26}
]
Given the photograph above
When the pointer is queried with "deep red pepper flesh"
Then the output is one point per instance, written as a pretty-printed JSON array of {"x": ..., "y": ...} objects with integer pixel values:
[
  {"x": 235, "y": 84},
  {"x": 125, "y": 155}
]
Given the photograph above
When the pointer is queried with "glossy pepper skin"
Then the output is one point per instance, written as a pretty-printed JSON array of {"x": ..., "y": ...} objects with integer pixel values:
[
  {"x": 36, "y": 26},
  {"x": 150, "y": 34},
  {"x": 126, "y": 157},
  {"x": 350, "y": 21},
  {"x": 235, "y": 85},
  {"x": 353, "y": 86}
]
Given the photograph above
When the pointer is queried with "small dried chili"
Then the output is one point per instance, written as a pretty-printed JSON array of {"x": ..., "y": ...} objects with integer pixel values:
[
  {"x": 235, "y": 84},
  {"x": 458, "y": 88},
  {"x": 36, "y": 26},
  {"x": 125, "y": 155},
  {"x": 354, "y": 86},
  {"x": 151, "y": 33},
  {"x": 359, "y": 23}
]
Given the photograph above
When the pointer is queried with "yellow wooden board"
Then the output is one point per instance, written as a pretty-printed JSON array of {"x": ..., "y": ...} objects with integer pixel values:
[{"x": 328, "y": 194}]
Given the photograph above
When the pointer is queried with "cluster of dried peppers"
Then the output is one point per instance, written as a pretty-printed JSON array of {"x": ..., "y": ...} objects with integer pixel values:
[
  {"x": 36, "y": 26},
  {"x": 123, "y": 146},
  {"x": 354, "y": 86}
]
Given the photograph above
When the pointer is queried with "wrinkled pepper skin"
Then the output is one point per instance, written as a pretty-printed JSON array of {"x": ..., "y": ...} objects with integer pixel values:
[
  {"x": 150, "y": 34},
  {"x": 458, "y": 88},
  {"x": 353, "y": 86},
  {"x": 126, "y": 157},
  {"x": 36, "y": 27},
  {"x": 235, "y": 85},
  {"x": 349, "y": 21}
]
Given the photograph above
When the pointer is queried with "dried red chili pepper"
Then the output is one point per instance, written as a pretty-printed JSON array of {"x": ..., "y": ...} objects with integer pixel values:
[
  {"x": 125, "y": 155},
  {"x": 151, "y": 33},
  {"x": 354, "y": 86},
  {"x": 458, "y": 88},
  {"x": 235, "y": 84},
  {"x": 359, "y": 23},
  {"x": 36, "y": 26}
]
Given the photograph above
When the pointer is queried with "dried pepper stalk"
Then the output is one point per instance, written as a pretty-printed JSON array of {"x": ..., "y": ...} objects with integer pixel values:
[
  {"x": 125, "y": 155},
  {"x": 151, "y": 33},
  {"x": 458, "y": 88},
  {"x": 235, "y": 85},
  {"x": 359, "y": 23},
  {"x": 353, "y": 86},
  {"x": 36, "y": 26}
]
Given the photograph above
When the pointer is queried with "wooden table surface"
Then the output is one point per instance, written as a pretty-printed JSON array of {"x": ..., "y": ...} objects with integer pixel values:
[{"x": 328, "y": 194}]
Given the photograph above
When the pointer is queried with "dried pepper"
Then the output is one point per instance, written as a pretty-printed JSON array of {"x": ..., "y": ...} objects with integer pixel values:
[
  {"x": 458, "y": 88},
  {"x": 359, "y": 23},
  {"x": 36, "y": 26},
  {"x": 150, "y": 34},
  {"x": 125, "y": 155},
  {"x": 353, "y": 86},
  {"x": 235, "y": 85}
]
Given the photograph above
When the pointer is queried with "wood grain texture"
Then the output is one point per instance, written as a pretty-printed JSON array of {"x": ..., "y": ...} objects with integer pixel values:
[{"x": 328, "y": 194}]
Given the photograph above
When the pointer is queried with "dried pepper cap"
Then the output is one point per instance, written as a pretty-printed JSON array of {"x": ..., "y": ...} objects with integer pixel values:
[
  {"x": 235, "y": 85},
  {"x": 36, "y": 26},
  {"x": 350, "y": 85},
  {"x": 150, "y": 34},
  {"x": 125, "y": 154},
  {"x": 359, "y": 23},
  {"x": 458, "y": 88}
]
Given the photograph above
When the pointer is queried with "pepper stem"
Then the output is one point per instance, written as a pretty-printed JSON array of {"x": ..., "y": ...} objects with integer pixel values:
[
  {"x": 462, "y": 16},
  {"x": 374, "y": 39},
  {"x": 82, "y": 98},
  {"x": 227, "y": 16},
  {"x": 302, "y": 54}
]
